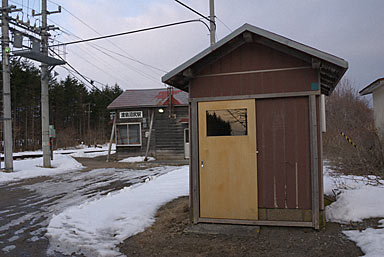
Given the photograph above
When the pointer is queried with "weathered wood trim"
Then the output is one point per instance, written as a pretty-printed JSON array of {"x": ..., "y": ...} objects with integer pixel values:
[
  {"x": 322, "y": 119},
  {"x": 258, "y": 96},
  {"x": 111, "y": 138},
  {"x": 314, "y": 161},
  {"x": 257, "y": 222},
  {"x": 149, "y": 136},
  {"x": 195, "y": 162},
  {"x": 253, "y": 71}
]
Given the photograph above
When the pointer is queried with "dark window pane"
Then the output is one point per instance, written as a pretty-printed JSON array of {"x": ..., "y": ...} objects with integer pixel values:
[
  {"x": 230, "y": 122},
  {"x": 122, "y": 134},
  {"x": 186, "y": 135},
  {"x": 134, "y": 134}
]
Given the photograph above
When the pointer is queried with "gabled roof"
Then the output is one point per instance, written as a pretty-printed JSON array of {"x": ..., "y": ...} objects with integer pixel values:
[
  {"x": 332, "y": 68},
  {"x": 148, "y": 98},
  {"x": 372, "y": 87}
]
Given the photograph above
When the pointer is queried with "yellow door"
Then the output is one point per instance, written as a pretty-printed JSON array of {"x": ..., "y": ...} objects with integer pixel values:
[{"x": 227, "y": 159}]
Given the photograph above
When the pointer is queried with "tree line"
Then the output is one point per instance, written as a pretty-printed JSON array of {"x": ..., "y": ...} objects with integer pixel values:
[{"x": 79, "y": 114}]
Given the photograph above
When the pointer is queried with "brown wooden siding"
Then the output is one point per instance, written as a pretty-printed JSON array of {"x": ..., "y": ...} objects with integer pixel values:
[
  {"x": 251, "y": 57},
  {"x": 282, "y": 141}
]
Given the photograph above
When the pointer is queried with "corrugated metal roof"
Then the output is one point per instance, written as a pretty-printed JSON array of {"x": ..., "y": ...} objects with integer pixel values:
[
  {"x": 332, "y": 69},
  {"x": 372, "y": 87},
  {"x": 148, "y": 98}
]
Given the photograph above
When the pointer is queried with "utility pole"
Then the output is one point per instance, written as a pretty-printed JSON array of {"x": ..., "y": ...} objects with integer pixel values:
[
  {"x": 212, "y": 24},
  {"x": 89, "y": 123},
  {"x": 7, "y": 115},
  {"x": 44, "y": 89},
  {"x": 44, "y": 82}
]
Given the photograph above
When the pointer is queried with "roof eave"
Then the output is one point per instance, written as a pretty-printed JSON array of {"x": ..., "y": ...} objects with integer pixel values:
[
  {"x": 177, "y": 78},
  {"x": 372, "y": 87}
]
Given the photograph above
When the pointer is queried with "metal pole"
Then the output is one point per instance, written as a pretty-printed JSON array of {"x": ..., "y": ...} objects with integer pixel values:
[
  {"x": 212, "y": 24},
  {"x": 89, "y": 124},
  {"x": 44, "y": 90},
  {"x": 7, "y": 114}
]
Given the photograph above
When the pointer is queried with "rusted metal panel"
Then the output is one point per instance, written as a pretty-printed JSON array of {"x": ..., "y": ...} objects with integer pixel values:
[
  {"x": 283, "y": 145},
  {"x": 253, "y": 57},
  {"x": 148, "y": 98}
]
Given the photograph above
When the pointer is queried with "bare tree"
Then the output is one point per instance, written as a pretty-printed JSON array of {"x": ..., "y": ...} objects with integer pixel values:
[{"x": 352, "y": 115}]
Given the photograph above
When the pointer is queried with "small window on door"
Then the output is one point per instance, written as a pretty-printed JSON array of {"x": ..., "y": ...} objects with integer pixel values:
[
  {"x": 129, "y": 134},
  {"x": 228, "y": 122}
]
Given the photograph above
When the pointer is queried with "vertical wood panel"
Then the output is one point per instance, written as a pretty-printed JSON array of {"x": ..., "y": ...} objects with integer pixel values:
[
  {"x": 314, "y": 160},
  {"x": 283, "y": 141},
  {"x": 194, "y": 161}
]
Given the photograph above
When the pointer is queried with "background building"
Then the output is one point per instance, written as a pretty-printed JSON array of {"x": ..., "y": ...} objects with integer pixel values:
[
  {"x": 376, "y": 88},
  {"x": 158, "y": 117}
]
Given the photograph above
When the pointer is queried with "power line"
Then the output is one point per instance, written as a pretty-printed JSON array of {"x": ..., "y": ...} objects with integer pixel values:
[
  {"x": 225, "y": 25},
  {"x": 193, "y": 10},
  {"x": 99, "y": 68},
  {"x": 96, "y": 47},
  {"x": 129, "y": 32},
  {"x": 118, "y": 47},
  {"x": 81, "y": 75},
  {"x": 142, "y": 73}
]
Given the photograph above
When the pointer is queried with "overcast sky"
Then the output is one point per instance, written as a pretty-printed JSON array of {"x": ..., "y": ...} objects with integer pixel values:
[{"x": 350, "y": 29}]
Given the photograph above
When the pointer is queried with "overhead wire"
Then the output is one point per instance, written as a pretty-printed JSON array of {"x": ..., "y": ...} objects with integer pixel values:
[
  {"x": 99, "y": 68},
  {"x": 145, "y": 75},
  {"x": 97, "y": 47},
  {"x": 81, "y": 75},
  {"x": 68, "y": 33},
  {"x": 115, "y": 45},
  {"x": 225, "y": 25},
  {"x": 105, "y": 49},
  {"x": 128, "y": 32}
]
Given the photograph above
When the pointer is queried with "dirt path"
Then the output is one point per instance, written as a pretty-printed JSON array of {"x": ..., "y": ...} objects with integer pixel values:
[{"x": 167, "y": 238}]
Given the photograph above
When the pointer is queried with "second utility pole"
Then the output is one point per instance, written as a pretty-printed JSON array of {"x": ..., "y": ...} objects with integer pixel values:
[
  {"x": 44, "y": 89},
  {"x": 212, "y": 24},
  {"x": 7, "y": 115}
]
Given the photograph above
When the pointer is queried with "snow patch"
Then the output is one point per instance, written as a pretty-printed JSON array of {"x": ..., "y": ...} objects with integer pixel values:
[
  {"x": 96, "y": 227},
  {"x": 8, "y": 248},
  {"x": 30, "y": 168},
  {"x": 358, "y": 198},
  {"x": 356, "y": 205},
  {"x": 137, "y": 159},
  {"x": 369, "y": 240}
]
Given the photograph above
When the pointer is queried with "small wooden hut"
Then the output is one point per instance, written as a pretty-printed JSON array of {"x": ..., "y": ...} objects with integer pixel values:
[
  {"x": 256, "y": 141},
  {"x": 152, "y": 121}
]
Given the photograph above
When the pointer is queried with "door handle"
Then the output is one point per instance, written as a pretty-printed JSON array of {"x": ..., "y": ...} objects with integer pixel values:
[{"x": 202, "y": 163}]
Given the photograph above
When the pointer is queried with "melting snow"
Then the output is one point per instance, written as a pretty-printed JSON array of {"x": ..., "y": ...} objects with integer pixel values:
[
  {"x": 358, "y": 198},
  {"x": 137, "y": 159},
  {"x": 96, "y": 227}
]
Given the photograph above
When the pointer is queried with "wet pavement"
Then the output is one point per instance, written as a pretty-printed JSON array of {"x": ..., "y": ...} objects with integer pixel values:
[{"x": 26, "y": 206}]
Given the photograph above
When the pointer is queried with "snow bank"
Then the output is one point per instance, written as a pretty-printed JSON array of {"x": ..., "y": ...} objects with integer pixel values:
[
  {"x": 356, "y": 205},
  {"x": 136, "y": 159},
  {"x": 30, "y": 168},
  {"x": 369, "y": 240},
  {"x": 358, "y": 198},
  {"x": 96, "y": 227}
]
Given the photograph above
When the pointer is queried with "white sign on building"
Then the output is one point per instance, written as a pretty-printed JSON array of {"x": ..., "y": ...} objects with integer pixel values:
[{"x": 131, "y": 115}]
